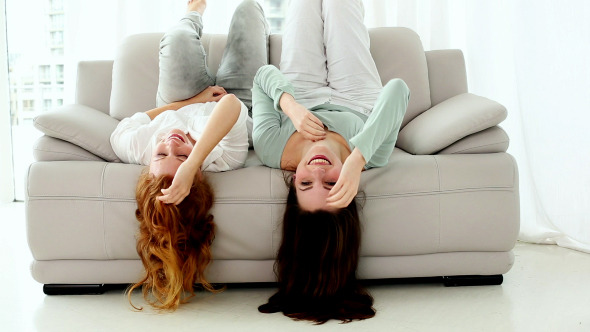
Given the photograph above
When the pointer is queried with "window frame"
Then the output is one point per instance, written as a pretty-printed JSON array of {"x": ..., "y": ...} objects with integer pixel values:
[{"x": 7, "y": 186}]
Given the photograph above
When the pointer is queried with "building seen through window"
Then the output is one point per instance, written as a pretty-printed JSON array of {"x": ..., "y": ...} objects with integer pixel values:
[
  {"x": 275, "y": 11},
  {"x": 35, "y": 73},
  {"x": 37, "y": 66},
  {"x": 37, "y": 79}
]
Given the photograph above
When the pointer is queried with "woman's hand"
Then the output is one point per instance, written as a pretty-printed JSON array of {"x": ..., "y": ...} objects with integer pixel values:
[
  {"x": 211, "y": 93},
  {"x": 347, "y": 185},
  {"x": 181, "y": 185},
  {"x": 304, "y": 121}
]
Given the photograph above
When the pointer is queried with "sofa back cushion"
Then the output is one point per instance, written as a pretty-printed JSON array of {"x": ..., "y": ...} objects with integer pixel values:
[
  {"x": 397, "y": 52},
  {"x": 136, "y": 71},
  {"x": 135, "y": 75}
]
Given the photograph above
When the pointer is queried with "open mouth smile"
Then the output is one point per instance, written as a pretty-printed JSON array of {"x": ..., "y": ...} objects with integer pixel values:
[
  {"x": 176, "y": 136},
  {"x": 319, "y": 160}
]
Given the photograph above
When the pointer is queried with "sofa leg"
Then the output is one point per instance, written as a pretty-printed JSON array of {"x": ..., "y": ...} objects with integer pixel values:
[
  {"x": 73, "y": 289},
  {"x": 454, "y": 281}
]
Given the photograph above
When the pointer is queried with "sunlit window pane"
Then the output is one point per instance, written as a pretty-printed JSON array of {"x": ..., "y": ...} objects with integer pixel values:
[{"x": 57, "y": 31}]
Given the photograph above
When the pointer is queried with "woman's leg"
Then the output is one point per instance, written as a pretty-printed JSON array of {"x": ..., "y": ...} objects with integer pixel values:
[
  {"x": 303, "y": 57},
  {"x": 183, "y": 61},
  {"x": 245, "y": 52},
  {"x": 352, "y": 72}
]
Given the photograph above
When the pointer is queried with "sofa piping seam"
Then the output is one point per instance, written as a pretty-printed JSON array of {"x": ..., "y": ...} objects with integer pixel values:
[
  {"x": 478, "y": 147},
  {"x": 438, "y": 201},
  {"x": 441, "y": 192},
  {"x": 276, "y": 201},
  {"x": 68, "y": 153},
  {"x": 103, "y": 202}
]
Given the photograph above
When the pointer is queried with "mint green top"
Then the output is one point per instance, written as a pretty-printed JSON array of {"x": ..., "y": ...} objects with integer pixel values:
[{"x": 374, "y": 136}]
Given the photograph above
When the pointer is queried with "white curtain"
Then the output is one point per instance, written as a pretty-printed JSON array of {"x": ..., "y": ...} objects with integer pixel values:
[
  {"x": 529, "y": 55},
  {"x": 533, "y": 57}
]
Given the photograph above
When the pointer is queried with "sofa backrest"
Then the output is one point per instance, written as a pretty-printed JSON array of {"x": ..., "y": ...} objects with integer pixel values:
[{"x": 398, "y": 53}]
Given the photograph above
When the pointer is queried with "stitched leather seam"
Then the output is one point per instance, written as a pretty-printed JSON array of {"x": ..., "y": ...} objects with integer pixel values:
[
  {"x": 80, "y": 198},
  {"x": 267, "y": 201},
  {"x": 438, "y": 201},
  {"x": 445, "y": 192},
  {"x": 69, "y": 154},
  {"x": 479, "y": 147},
  {"x": 104, "y": 226}
]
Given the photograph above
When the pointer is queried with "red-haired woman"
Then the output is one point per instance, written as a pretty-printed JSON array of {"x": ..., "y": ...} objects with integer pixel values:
[{"x": 198, "y": 126}]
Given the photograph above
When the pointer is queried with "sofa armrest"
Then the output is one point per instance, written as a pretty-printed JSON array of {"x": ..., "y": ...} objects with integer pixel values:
[
  {"x": 52, "y": 149},
  {"x": 491, "y": 140},
  {"x": 448, "y": 122},
  {"x": 81, "y": 125},
  {"x": 93, "y": 87},
  {"x": 447, "y": 75}
]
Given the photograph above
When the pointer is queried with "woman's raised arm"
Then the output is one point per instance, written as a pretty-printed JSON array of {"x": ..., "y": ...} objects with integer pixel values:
[
  {"x": 222, "y": 119},
  {"x": 212, "y": 93}
]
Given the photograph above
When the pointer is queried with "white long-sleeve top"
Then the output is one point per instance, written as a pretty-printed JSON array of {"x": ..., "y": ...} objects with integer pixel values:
[{"x": 134, "y": 138}]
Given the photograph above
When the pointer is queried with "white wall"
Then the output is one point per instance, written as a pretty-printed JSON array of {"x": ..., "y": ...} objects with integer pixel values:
[{"x": 6, "y": 171}]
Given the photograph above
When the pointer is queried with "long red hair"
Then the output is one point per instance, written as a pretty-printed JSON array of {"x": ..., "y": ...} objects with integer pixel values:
[{"x": 174, "y": 241}]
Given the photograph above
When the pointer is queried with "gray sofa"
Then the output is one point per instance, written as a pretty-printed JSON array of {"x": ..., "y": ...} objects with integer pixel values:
[{"x": 447, "y": 205}]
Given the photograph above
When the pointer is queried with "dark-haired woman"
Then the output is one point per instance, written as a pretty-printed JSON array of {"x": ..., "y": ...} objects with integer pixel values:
[
  {"x": 325, "y": 116},
  {"x": 198, "y": 126}
]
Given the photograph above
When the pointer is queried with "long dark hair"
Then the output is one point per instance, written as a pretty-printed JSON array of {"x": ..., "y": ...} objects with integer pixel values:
[
  {"x": 174, "y": 241},
  {"x": 316, "y": 266}
]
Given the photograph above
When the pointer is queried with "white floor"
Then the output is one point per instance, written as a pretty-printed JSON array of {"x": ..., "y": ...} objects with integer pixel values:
[{"x": 548, "y": 289}]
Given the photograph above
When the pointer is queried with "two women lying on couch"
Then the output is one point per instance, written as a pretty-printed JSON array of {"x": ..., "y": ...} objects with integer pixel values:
[{"x": 324, "y": 116}]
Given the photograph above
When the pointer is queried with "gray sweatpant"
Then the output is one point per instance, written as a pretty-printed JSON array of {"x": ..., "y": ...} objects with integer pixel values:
[{"x": 183, "y": 60}]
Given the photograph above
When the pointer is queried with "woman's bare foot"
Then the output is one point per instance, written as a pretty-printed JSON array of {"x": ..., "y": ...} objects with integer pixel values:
[{"x": 197, "y": 6}]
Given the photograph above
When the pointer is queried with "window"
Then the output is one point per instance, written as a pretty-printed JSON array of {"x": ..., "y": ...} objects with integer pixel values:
[
  {"x": 36, "y": 67},
  {"x": 274, "y": 6},
  {"x": 46, "y": 91},
  {"x": 275, "y": 14},
  {"x": 57, "y": 38},
  {"x": 37, "y": 50},
  {"x": 276, "y": 25},
  {"x": 28, "y": 105},
  {"x": 44, "y": 73},
  {"x": 47, "y": 104},
  {"x": 56, "y": 21},
  {"x": 56, "y": 51},
  {"x": 59, "y": 74},
  {"x": 56, "y": 5}
]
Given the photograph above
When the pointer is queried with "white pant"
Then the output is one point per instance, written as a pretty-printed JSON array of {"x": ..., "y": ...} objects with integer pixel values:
[{"x": 326, "y": 55}]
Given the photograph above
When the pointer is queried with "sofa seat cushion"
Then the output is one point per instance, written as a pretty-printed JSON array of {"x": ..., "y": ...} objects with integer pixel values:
[{"x": 416, "y": 205}]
